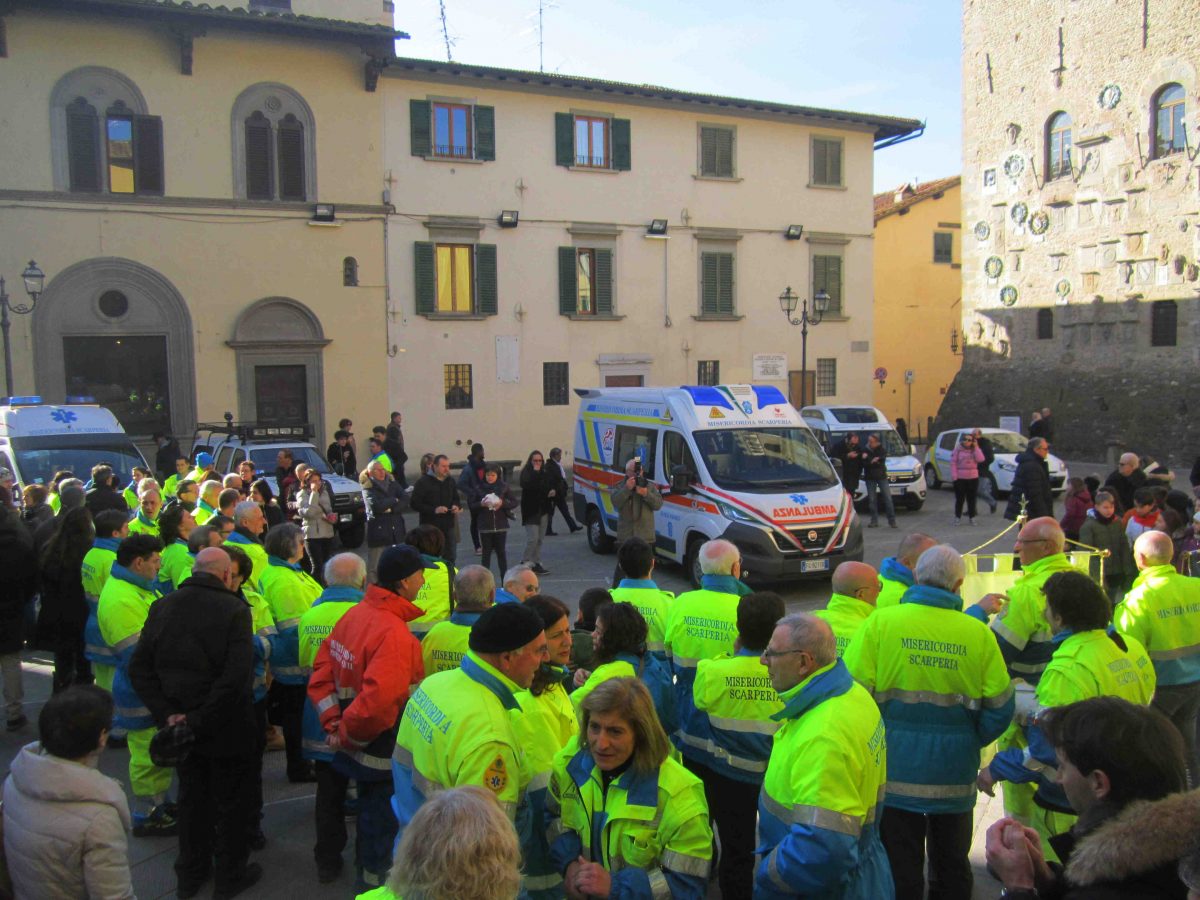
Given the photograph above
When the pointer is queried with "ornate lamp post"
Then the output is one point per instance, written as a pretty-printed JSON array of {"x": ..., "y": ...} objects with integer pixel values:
[
  {"x": 787, "y": 303},
  {"x": 34, "y": 279}
]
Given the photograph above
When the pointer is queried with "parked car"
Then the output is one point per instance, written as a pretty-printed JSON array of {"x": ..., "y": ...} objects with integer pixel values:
[{"x": 1005, "y": 445}]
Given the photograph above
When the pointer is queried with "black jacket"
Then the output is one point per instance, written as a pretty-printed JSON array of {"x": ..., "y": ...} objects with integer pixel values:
[
  {"x": 393, "y": 446},
  {"x": 471, "y": 482},
  {"x": 164, "y": 459},
  {"x": 98, "y": 499},
  {"x": 1124, "y": 486},
  {"x": 384, "y": 501},
  {"x": 196, "y": 656},
  {"x": 1031, "y": 481},
  {"x": 875, "y": 465},
  {"x": 343, "y": 460},
  {"x": 852, "y": 462},
  {"x": 430, "y": 493},
  {"x": 536, "y": 501},
  {"x": 989, "y": 454},
  {"x": 19, "y": 566}
]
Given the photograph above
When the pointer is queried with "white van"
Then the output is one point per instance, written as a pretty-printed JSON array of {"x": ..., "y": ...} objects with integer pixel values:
[
  {"x": 906, "y": 476},
  {"x": 733, "y": 461},
  {"x": 38, "y": 439}
]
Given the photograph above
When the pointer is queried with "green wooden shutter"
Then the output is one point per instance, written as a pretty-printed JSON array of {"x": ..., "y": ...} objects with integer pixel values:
[
  {"x": 835, "y": 162},
  {"x": 820, "y": 150},
  {"x": 485, "y": 133},
  {"x": 725, "y": 152},
  {"x": 290, "y": 140},
  {"x": 725, "y": 284},
  {"x": 148, "y": 154},
  {"x": 709, "y": 277},
  {"x": 602, "y": 283},
  {"x": 420, "y": 127},
  {"x": 258, "y": 158},
  {"x": 567, "y": 281},
  {"x": 486, "y": 286},
  {"x": 564, "y": 139},
  {"x": 83, "y": 146},
  {"x": 621, "y": 147},
  {"x": 716, "y": 152},
  {"x": 425, "y": 278},
  {"x": 834, "y": 284}
]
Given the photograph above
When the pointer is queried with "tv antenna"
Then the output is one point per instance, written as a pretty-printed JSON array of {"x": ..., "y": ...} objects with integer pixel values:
[{"x": 445, "y": 30}]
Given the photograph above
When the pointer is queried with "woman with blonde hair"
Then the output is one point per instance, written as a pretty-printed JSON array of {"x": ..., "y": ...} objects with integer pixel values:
[
  {"x": 459, "y": 846},
  {"x": 631, "y": 820}
]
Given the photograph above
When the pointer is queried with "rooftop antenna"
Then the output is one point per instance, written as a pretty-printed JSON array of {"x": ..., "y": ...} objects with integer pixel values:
[
  {"x": 543, "y": 5},
  {"x": 445, "y": 30}
]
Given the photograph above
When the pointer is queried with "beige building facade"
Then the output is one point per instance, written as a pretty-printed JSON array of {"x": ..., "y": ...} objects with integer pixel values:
[
  {"x": 918, "y": 286},
  {"x": 1081, "y": 260},
  {"x": 163, "y": 166},
  {"x": 495, "y": 321}
]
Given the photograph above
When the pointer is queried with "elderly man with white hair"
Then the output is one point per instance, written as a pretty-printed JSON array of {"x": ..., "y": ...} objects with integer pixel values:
[
  {"x": 249, "y": 523},
  {"x": 1162, "y": 610},
  {"x": 945, "y": 694},
  {"x": 520, "y": 583},
  {"x": 207, "y": 506},
  {"x": 703, "y": 624}
]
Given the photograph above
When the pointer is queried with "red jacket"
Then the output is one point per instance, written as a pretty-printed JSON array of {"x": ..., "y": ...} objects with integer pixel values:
[{"x": 362, "y": 677}]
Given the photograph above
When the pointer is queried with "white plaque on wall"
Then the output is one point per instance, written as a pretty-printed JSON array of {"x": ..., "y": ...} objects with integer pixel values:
[
  {"x": 508, "y": 359},
  {"x": 770, "y": 367}
]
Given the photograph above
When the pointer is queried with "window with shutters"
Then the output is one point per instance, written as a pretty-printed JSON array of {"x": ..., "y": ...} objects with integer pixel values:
[
  {"x": 1045, "y": 324},
  {"x": 456, "y": 380},
  {"x": 455, "y": 279},
  {"x": 716, "y": 284},
  {"x": 708, "y": 372},
  {"x": 827, "y": 276},
  {"x": 452, "y": 129},
  {"x": 585, "y": 282},
  {"x": 827, "y": 162},
  {"x": 274, "y": 145},
  {"x": 943, "y": 247},
  {"x": 717, "y": 151},
  {"x": 592, "y": 141},
  {"x": 826, "y": 377},
  {"x": 556, "y": 384},
  {"x": 1164, "y": 320},
  {"x": 102, "y": 139}
]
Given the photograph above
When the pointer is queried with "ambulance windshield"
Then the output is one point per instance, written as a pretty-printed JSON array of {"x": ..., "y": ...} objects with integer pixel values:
[
  {"x": 774, "y": 459},
  {"x": 39, "y": 458}
]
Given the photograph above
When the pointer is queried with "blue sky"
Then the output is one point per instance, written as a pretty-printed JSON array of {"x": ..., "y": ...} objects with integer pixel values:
[{"x": 880, "y": 56}]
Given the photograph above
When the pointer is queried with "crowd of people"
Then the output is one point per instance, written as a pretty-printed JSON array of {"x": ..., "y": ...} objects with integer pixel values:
[{"x": 490, "y": 746}]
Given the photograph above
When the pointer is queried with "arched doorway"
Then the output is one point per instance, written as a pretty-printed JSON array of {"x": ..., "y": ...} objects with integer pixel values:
[
  {"x": 120, "y": 332},
  {"x": 280, "y": 374}
]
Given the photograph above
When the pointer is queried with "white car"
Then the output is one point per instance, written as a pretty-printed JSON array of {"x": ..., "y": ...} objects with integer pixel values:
[{"x": 1005, "y": 446}]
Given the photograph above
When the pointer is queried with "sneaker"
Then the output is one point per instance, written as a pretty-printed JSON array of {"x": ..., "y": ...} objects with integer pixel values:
[
  {"x": 892, "y": 524},
  {"x": 157, "y": 823},
  {"x": 247, "y": 879},
  {"x": 539, "y": 569},
  {"x": 551, "y": 534},
  {"x": 873, "y": 524},
  {"x": 575, "y": 528},
  {"x": 957, "y": 521},
  {"x": 971, "y": 520},
  {"x": 478, "y": 551},
  {"x": 18, "y": 723}
]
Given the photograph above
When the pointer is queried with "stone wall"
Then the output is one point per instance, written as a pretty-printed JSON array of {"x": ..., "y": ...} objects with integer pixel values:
[{"x": 1064, "y": 277}]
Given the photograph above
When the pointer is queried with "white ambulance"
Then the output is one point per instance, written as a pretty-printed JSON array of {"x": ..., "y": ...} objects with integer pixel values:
[
  {"x": 732, "y": 461},
  {"x": 38, "y": 439}
]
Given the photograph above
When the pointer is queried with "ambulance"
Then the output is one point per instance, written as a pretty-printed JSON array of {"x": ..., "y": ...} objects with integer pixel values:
[
  {"x": 732, "y": 461},
  {"x": 38, "y": 439}
]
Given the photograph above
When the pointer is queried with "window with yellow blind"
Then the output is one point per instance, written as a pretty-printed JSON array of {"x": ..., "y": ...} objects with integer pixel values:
[{"x": 454, "y": 278}]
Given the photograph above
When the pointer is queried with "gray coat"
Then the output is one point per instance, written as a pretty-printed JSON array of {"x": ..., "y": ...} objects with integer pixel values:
[
  {"x": 636, "y": 513},
  {"x": 313, "y": 506}
]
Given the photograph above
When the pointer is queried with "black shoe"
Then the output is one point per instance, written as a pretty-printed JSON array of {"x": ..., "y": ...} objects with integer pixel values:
[
  {"x": 191, "y": 888},
  {"x": 575, "y": 528},
  {"x": 551, "y": 534},
  {"x": 539, "y": 569},
  {"x": 327, "y": 873},
  {"x": 247, "y": 879},
  {"x": 157, "y": 823},
  {"x": 18, "y": 723}
]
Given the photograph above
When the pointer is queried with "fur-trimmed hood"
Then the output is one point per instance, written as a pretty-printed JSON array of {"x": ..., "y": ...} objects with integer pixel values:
[{"x": 1144, "y": 836}]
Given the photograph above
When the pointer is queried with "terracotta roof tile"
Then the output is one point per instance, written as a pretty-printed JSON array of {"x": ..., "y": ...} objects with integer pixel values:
[{"x": 906, "y": 195}]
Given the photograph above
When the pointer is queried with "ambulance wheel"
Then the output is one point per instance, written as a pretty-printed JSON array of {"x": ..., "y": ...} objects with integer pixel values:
[
  {"x": 597, "y": 539},
  {"x": 931, "y": 477},
  {"x": 691, "y": 562}
]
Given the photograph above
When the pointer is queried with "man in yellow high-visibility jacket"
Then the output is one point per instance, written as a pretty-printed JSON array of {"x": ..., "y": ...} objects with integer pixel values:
[
  {"x": 856, "y": 587},
  {"x": 1162, "y": 610},
  {"x": 896, "y": 572},
  {"x": 636, "y": 559}
]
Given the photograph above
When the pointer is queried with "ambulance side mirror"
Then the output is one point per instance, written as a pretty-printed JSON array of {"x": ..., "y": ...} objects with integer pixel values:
[{"x": 681, "y": 480}]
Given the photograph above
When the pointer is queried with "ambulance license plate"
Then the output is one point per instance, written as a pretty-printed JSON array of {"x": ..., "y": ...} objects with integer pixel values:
[{"x": 814, "y": 565}]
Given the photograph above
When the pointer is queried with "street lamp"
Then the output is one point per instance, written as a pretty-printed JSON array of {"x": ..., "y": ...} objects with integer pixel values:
[
  {"x": 787, "y": 303},
  {"x": 34, "y": 279}
]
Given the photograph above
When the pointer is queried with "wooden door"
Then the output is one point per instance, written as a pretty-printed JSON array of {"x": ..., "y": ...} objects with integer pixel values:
[
  {"x": 799, "y": 393},
  {"x": 281, "y": 394}
]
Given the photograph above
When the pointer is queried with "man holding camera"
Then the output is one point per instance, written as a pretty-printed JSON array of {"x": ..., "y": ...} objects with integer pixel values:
[{"x": 635, "y": 499}]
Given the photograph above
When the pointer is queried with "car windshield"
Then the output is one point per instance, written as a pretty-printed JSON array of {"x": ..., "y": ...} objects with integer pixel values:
[
  {"x": 887, "y": 436},
  {"x": 265, "y": 460},
  {"x": 854, "y": 415},
  {"x": 775, "y": 458},
  {"x": 1006, "y": 441},
  {"x": 39, "y": 458}
]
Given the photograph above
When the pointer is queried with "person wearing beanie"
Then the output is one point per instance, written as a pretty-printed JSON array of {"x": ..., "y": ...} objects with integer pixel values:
[
  {"x": 361, "y": 680},
  {"x": 457, "y": 727}
]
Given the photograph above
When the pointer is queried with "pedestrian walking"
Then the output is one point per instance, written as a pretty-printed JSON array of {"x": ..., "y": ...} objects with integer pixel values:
[
  {"x": 316, "y": 513},
  {"x": 964, "y": 470},
  {"x": 876, "y": 478},
  {"x": 384, "y": 499},
  {"x": 1031, "y": 482},
  {"x": 496, "y": 505},
  {"x": 559, "y": 475},
  {"x": 471, "y": 486},
  {"x": 537, "y": 500},
  {"x": 987, "y": 481}
]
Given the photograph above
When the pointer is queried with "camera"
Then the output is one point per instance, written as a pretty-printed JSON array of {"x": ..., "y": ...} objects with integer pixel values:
[{"x": 639, "y": 478}]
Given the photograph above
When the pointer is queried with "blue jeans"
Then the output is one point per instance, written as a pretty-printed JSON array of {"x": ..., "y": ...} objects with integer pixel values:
[{"x": 880, "y": 485}]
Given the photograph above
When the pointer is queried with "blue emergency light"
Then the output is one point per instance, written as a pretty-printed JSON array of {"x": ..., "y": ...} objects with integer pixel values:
[{"x": 30, "y": 400}]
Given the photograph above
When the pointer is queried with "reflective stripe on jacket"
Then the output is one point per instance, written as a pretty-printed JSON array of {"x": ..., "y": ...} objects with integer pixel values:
[
  {"x": 1021, "y": 627},
  {"x": 653, "y": 603},
  {"x": 818, "y": 811},
  {"x": 1162, "y": 610},
  {"x": 177, "y": 565},
  {"x": 124, "y": 604},
  {"x": 265, "y": 636},
  {"x": 944, "y": 692},
  {"x": 436, "y": 598},
  {"x": 257, "y": 554},
  {"x": 290, "y": 592},
  {"x": 734, "y": 704},
  {"x": 96, "y": 566},
  {"x": 315, "y": 626},
  {"x": 649, "y": 830}
]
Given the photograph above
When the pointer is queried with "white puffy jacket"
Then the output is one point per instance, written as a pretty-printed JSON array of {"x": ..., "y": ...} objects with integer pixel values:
[{"x": 64, "y": 830}]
